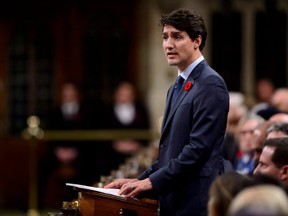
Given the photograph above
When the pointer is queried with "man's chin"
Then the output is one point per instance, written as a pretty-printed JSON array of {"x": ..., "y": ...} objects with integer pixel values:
[{"x": 172, "y": 63}]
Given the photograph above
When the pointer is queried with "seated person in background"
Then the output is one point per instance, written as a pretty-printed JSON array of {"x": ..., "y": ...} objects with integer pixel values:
[
  {"x": 264, "y": 91},
  {"x": 278, "y": 104},
  {"x": 61, "y": 164},
  {"x": 245, "y": 159},
  {"x": 124, "y": 113},
  {"x": 227, "y": 186},
  {"x": 259, "y": 136},
  {"x": 279, "y": 99},
  {"x": 261, "y": 200},
  {"x": 277, "y": 130},
  {"x": 236, "y": 110},
  {"x": 222, "y": 191},
  {"x": 279, "y": 117},
  {"x": 273, "y": 159}
]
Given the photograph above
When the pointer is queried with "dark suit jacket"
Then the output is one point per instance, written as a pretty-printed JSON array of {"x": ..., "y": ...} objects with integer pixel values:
[{"x": 191, "y": 143}]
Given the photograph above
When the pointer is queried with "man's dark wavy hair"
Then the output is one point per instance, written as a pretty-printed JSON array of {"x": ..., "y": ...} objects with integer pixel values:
[
  {"x": 188, "y": 21},
  {"x": 280, "y": 156}
]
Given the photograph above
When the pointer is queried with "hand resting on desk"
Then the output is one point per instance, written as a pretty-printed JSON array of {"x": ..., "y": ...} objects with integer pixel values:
[{"x": 131, "y": 187}]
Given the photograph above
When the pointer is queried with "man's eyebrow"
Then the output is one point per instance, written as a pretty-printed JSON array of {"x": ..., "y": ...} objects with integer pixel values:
[{"x": 173, "y": 32}]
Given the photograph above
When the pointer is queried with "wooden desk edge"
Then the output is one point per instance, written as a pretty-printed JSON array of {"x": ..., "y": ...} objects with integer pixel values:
[{"x": 142, "y": 202}]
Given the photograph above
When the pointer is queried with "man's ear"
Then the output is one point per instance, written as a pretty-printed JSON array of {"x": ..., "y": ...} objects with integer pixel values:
[
  {"x": 284, "y": 173},
  {"x": 197, "y": 42}
]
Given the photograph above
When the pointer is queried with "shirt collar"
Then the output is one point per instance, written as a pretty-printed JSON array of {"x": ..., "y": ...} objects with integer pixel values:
[{"x": 190, "y": 68}]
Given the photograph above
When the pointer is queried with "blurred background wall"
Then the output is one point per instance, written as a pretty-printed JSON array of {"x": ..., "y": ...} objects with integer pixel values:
[{"x": 97, "y": 44}]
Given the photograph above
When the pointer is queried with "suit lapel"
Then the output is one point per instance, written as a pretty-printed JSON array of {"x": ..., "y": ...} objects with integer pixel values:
[
  {"x": 167, "y": 106},
  {"x": 169, "y": 114},
  {"x": 174, "y": 107}
]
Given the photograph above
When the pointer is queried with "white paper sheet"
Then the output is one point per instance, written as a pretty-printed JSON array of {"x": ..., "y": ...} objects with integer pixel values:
[{"x": 102, "y": 190}]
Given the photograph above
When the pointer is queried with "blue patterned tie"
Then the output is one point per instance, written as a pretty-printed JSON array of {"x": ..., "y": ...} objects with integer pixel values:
[{"x": 177, "y": 86}]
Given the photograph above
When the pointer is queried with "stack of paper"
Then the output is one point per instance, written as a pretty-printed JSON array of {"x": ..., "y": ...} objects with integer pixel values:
[{"x": 102, "y": 190}]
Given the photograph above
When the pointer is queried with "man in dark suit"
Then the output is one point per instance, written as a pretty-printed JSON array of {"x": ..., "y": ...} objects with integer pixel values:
[{"x": 193, "y": 128}]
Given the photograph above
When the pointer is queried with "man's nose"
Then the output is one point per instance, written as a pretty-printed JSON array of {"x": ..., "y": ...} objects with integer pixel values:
[
  {"x": 168, "y": 43},
  {"x": 256, "y": 170}
]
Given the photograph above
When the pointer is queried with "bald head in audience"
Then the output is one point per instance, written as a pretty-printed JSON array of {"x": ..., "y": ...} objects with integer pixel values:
[
  {"x": 277, "y": 130},
  {"x": 279, "y": 117},
  {"x": 262, "y": 200}
]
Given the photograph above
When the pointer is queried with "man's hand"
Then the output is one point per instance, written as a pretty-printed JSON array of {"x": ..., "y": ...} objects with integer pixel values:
[
  {"x": 118, "y": 183},
  {"x": 134, "y": 188}
]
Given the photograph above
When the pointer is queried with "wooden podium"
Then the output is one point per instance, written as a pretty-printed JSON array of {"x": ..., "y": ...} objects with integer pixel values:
[{"x": 93, "y": 203}]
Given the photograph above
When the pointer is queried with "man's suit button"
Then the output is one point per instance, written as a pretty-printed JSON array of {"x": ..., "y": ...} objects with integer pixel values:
[{"x": 161, "y": 146}]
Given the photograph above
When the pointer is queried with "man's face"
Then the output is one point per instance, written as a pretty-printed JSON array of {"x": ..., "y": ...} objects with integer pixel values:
[
  {"x": 266, "y": 166},
  {"x": 178, "y": 47},
  {"x": 246, "y": 135}
]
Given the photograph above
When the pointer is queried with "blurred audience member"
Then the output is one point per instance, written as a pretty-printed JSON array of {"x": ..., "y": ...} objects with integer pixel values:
[
  {"x": 245, "y": 162},
  {"x": 126, "y": 112},
  {"x": 278, "y": 104},
  {"x": 227, "y": 186},
  {"x": 69, "y": 113},
  {"x": 279, "y": 117},
  {"x": 236, "y": 110},
  {"x": 63, "y": 159},
  {"x": 280, "y": 99},
  {"x": 268, "y": 112},
  {"x": 273, "y": 159},
  {"x": 222, "y": 191},
  {"x": 264, "y": 200},
  {"x": 264, "y": 92},
  {"x": 277, "y": 130},
  {"x": 258, "y": 137}
]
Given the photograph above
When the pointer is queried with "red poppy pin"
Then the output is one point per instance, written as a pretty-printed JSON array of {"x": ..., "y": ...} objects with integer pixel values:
[{"x": 187, "y": 86}]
